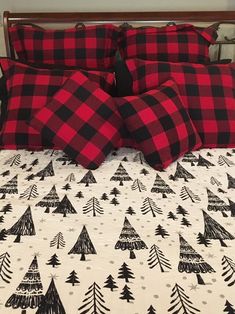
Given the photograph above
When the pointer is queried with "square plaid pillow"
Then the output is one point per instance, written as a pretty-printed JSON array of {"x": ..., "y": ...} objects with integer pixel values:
[
  {"x": 29, "y": 89},
  {"x": 82, "y": 120},
  {"x": 160, "y": 124},
  {"x": 208, "y": 93}
]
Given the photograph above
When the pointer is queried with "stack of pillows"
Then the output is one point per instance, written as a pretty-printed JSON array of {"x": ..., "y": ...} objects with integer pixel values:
[{"x": 165, "y": 98}]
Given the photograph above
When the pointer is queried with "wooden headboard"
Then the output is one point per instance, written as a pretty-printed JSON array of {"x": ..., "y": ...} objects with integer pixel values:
[{"x": 217, "y": 17}]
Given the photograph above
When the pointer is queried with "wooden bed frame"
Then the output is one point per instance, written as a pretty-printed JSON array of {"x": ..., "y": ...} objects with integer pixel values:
[{"x": 217, "y": 17}]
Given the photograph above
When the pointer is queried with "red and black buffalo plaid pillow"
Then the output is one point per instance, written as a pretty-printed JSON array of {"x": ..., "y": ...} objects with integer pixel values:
[
  {"x": 208, "y": 92},
  {"x": 89, "y": 47},
  {"x": 82, "y": 120},
  {"x": 160, "y": 124},
  {"x": 176, "y": 43},
  {"x": 29, "y": 89}
]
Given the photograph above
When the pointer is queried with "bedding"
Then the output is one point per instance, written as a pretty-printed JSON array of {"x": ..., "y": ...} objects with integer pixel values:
[{"x": 121, "y": 239}]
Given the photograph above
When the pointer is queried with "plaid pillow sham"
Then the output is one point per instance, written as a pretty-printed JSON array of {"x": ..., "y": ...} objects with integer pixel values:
[
  {"x": 176, "y": 43},
  {"x": 82, "y": 120},
  {"x": 160, "y": 124},
  {"x": 208, "y": 92},
  {"x": 29, "y": 89},
  {"x": 88, "y": 47}
]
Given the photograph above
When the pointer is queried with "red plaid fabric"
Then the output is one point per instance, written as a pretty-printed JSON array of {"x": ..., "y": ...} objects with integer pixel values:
[
  {"x": 160, "y": 124},
  {"x": 29, "y": 90},
  {"x": 89, "y": 47},
  {"x": 82, "y": 120},
  {"x": 208, "y": 92},
  {"x": 176, "y": 43}
]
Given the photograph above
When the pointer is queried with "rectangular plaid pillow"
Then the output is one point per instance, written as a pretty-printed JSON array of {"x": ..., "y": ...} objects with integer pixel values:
[
  {"x": 88, "y": 47},
  {"x": 175, "y": 43},
  {"x": 160, "y": 124},
  {"x": 29, "y": 89},
  {"x": 208, "y": 92},
  {"x": 82, "y": 120}
]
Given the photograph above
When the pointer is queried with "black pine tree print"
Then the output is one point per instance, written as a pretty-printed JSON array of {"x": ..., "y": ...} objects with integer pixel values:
[
  {"x": 70, "y": 177},
  {"x": 156, "y": 257},
  {"x": 49, "y": 200},
  {"x": 192, "y": 262},
  {"x": 64, "y": 159},
  {"x": 58, "y": 241},
  {"x": 104, "y": 197},
  {"x": 30, "y": 192},
  {"x": 3, "y": 235},
  {"x": 229, "y": 309},
  {"x": 172, "y": 216},
  {"x": 225, "y": 161},
  {"x": 54, "y": 261},
  {"x": 51, "y": 303},
  {"x": 181, "y": 172},
  {"x": 110, "y": 283},
  {"x": 161, "y": 231},
  {"x": 83, "y": 245},
  {"x": 231, "y": 182},
  {"x": 51, "y": 152},
  {"x": 24, "y": 226},
  {"x": 203, "y": 162},
  {"x": 29, "y": 293},
  {"x": 139, "y": 157},
  {"x": 13, "y": 161},
  {"x": 187, "y": 193},
  {"x": 232, "y": 207},
  {"x": 209, "y": 154},
  {"x": 190, "y": 157},
  {"x": 215, "y": 203},
  {"x": 126, "y": 294},
  {"x": 214, "y": 231},
  {"x": 93, "y": 207},
  {"x": 30, "y": 177},
  {"x": 138, "y": 185},
  {"x": 65, "y": 207},
  {"x": 160, "y": 186},
  {"x": 151, "y": 310},
  {"x": 1, "y": 219},
  {"x": 202, "y": 240},
  {"x": 11, "y": 187},
  {"x": 125, "y": 273},
  {"x": 5, "y": 265},
  {"x": 121, "y": 175},
  {"x": 229, "y": 270},
  {"x": 214, "y": 181},
  {"x": 94, "y": 301},
  {"x": 130, "y": 211},
  {"x": 129, "y": 239},
  {"x": 48, "y": 171},
  {"x": 181, "y": 211},
  {"x": 5, "y": 173},
  {"x": 66, "y": 187},
  {"x": 185, "y": 222},
  {"x": 79, "y": 194},
  {"x": 114, "y": 202},
  {"x": 88, "y": 178},
  {"x": 149, "y": 206},
  {"x": 144, "y": 171},
  {"x": 181, "y": 302},
  {"x": 115, "y": 192},
  {"x": 73, "y": 278},
  {"x": 34, "y": 162},
  {"x": 6, "y": 209}
]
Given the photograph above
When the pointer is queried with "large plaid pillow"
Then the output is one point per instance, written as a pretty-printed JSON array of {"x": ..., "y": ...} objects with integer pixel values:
[
  {"x": 82, "y": 120},
  {"x": 29, "y": 89},
  {"x": 208, "y": 92},
  {"x": 89, "y": 47},
  {"x": 176, "y": 43},
  {"x": 160, "y": 124}
]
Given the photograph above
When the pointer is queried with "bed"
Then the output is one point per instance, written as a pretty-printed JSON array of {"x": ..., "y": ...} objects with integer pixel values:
[{"x": 123, "y": 238}]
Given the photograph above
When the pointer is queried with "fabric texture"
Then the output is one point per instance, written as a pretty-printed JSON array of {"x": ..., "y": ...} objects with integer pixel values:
[
  {"x": 30, "y": 89},
  {"x": 82, "y": 120},
  {"x": 206, "y": 91}
]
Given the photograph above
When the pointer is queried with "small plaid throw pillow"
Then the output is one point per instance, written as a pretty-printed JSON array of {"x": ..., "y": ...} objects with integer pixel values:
[
  {"x": 82, "y": 120},
  {"x": 160, "y": 124}
]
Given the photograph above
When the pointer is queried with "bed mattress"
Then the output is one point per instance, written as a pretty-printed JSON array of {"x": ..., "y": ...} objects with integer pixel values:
[{"x": 121, "y": 239}]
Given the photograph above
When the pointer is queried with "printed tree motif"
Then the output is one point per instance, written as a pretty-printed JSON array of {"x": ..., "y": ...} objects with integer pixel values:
[
  {"x": 202, "y": 240},
  {"x": 160, "y": 186},
  {"x": 156, "y": 257},
  {"x": 51, "y": 302},
  {"x": 138, "y": 185},
  {"x": 79, "y": 194},
  {"x": 5, "y": 173},
  {"x": 231, "y": 182},
  {"x": 1, "y": 219},
  {"x": 209, "y": 154},
  {"x": 214, "y": 181},
  {"x": 5, "y": 265},
  {"x": 185, "y": 222},
  {"x": 94, "y": 301},
  {"x": 221, "y": 191},
  {"x": 10, "y": 187},
  {"x": 203, "y": 162},
  {"x": 181, "y": 172},
  {"x": 149, "y": 206},
  {"x": 48, "y": 171},
  {"x": 232, "y": 207},
  {"x": 73, "y": 278},
  {"x": 34, "y": 162},
  {"x": 181, "y": 302},
  {"x": 130, "y": 211},
  {"x": 214, "y": 231},
  {"x": 124, "y": 158},
  {"x": 58, "y": 241},
  {"x": 88, "y": 178},
  {"x": 161, "y": 231},
  {"x": 93, "y": 206},
  {"x": 129, "y": 239},
  {"x": 229, "y": 270},
  {"x": 229, "y": 154},
  {"x": 225, "y": 161},
  {"x": 29, "y": 293},
  {"x": 30, "y": 192},
  {"x": 65, "y": 207},
  {"x": 49, "y": 200},
  {"x": 171, "y": 216},
  {"x": 3, "y": 235},
  {"x": 115, "y": 192},
  {"x": 66, "y": 187},
  {"x": 54, "y": 261},
  {"x": 64, "y": 159},
  {"x": 190, "y": 157},
  {"x": 6, "y": 209},
  {"x": 24, "y": 226},
  {"x": 125, "y": 273},
  {"x": 215, "y": 203},
  {"x": 229, "y": 308},
  {"x": 30, "y": 177},
  {"x": 51, "y": 152},
  {"x": 121, "y": 175},
  {"x": 139, "y": 157},
  {"x": 13, "y": 161},
  {"x": 83, "y": 245},
  {"x": 144, "y": 171},
  {"x": 181, "y": 211},
  {"x": 104, "y": 197},
  {"x": 151, "y": 310},
  {"x": 187, "y": 193},
  {"x": 114, "y": 202},
  {"x": 192, "y": 262},
  {"x": 126, "y": 294},
  {"x": 70, "y": 177},
  {"x": 110, "y": 283}
]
